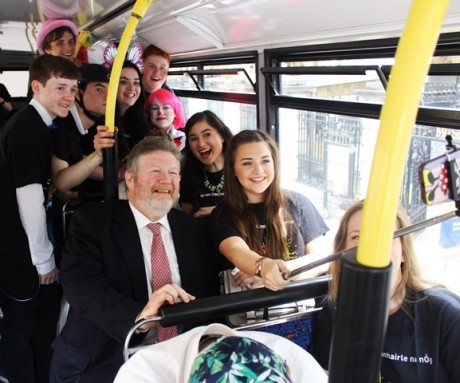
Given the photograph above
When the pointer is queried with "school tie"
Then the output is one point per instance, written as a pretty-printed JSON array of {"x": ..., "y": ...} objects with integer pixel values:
[
  {"x": 53, "y": 125},
  {"x": 161, "y": 274}
]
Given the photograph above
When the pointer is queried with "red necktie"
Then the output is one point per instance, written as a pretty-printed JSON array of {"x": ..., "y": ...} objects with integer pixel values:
[{"x": 161, "y": 274}]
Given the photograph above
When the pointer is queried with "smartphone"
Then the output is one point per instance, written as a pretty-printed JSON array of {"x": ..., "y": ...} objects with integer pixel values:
[{"x": 440, "y": 178}]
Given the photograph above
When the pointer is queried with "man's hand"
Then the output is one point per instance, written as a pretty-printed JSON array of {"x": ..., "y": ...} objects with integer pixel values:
[
  {"x": 167, "y": 294},
  {"x": 50, "y": 278}
]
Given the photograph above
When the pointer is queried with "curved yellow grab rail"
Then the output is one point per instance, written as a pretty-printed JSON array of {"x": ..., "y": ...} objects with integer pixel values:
[
  {"x": 398, "y": 115},
  {"x": 82, "y": 41},
  {"x": 41, "y": 16},
  {"x": 138, "y": 12}
]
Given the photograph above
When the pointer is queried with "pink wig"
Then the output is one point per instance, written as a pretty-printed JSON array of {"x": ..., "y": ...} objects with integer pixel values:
[{"x": 166, "y": 97}]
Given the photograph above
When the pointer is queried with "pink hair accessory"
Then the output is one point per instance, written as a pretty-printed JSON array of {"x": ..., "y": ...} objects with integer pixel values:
[
  {"x": 56, "y": 11},
  {"x": 134, "y": 54},
  {"x": 49, "y": 26}
]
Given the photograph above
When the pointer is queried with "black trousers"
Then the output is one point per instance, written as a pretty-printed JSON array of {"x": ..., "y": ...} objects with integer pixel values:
[{"x": 27, "y": 330}]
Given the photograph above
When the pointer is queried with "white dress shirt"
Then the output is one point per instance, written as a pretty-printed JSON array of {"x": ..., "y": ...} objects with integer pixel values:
[
  {"x": 77, "y": 119},
  {"x": 146, "y": 237},
  {"x": 30, "y": 201}
]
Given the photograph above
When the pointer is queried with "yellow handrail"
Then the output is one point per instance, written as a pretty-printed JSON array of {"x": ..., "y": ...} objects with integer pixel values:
[
  {"x": 399, "y": 111},
  {"x": 83, "y": 36},
  {"x": 138, "y": 12}
]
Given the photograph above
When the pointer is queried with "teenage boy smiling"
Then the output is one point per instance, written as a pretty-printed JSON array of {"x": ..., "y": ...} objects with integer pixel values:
[{"x": 29, "y": 294}]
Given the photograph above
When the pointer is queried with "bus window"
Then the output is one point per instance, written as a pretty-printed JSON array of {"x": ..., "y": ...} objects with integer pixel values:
[
  {"x": 179, "y": 78},
  {"x": 351, "y": 83},
  {"x": 236, "y": 116},
  {"x": 328, "y": 157},
  {"x": 15, "y": 82},
  {"x": 326, "y": 113},
  {"x": 217, "y": 78},
  {"x": 228, "y": 89}
]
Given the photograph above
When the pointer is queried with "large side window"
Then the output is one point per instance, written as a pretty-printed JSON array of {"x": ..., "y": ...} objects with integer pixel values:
[
  {"x": 322, "y": 105},
  {"x": 326, "y": 113}
]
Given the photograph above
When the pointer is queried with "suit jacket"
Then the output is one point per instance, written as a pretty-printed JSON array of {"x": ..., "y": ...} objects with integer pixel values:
[{"x": 103, "y": 277}]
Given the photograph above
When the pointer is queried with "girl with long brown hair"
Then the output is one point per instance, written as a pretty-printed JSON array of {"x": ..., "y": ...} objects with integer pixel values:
[{"x": 259, "y": 226}]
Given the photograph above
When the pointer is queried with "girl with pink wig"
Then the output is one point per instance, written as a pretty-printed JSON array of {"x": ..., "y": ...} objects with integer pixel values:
[{"x": 166, "y": 115}]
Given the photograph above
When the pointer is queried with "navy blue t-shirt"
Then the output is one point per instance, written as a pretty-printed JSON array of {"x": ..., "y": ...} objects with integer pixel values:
[{"x": 421, "y": 341}]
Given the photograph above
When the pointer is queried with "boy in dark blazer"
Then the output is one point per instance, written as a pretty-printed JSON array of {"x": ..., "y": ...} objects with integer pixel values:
[
  {"x": 29, "y": 294},
  {"x": 106, "y": 272}
]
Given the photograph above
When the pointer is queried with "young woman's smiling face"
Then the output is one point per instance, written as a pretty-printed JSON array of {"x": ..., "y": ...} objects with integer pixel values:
[
  {"x": 254, "y": 169},
  {"x": 129, "y": 88},
  {"x": 206, "y": 143}
]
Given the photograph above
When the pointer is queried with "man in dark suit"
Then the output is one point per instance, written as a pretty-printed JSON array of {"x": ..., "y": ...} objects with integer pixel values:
[{"x": 106, "y": 268}]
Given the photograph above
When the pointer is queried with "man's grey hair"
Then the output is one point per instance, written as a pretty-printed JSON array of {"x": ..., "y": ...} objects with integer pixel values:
[{"x": 148, "y": 145}]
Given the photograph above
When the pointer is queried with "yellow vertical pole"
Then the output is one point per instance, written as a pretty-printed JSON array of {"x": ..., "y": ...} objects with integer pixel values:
[
  {"x": 138, "y": 12},
  {"x": 110, "y": 154},
  {"x": 399, "y": 111}
]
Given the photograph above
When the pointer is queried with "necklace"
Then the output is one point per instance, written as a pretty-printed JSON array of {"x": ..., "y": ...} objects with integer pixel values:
[{"x": 219, "y": 188}]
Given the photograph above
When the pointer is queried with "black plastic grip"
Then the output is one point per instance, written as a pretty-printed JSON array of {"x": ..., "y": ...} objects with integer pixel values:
[{"x": 224, "y": 305}]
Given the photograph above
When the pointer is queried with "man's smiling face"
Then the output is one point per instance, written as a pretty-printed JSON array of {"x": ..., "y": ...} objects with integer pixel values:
[{"x": 153, "y": 187}]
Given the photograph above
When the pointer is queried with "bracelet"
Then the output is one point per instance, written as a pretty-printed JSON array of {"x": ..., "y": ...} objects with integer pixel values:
[{"x": 258, "y": 266}]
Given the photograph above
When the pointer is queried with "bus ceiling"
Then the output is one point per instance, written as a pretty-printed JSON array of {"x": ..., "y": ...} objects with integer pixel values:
[{"x": 187, "y": 28}]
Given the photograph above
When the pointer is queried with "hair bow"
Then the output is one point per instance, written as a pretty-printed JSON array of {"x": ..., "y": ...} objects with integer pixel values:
[{"x": 134, "y": 54}]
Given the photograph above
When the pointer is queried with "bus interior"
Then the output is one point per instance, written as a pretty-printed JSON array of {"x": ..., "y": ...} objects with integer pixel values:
[{"x": 313, "y": 74}]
